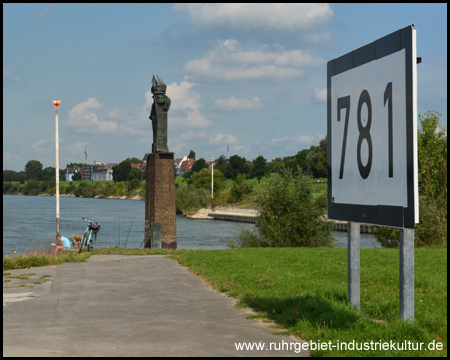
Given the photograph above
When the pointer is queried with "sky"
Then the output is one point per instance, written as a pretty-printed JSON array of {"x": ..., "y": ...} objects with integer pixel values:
[{"x": 248, "y": 76}]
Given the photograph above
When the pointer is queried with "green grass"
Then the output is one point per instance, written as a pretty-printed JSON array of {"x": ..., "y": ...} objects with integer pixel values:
[
  {"x": 44, "y": 257},
  {"x": 180, "y": 180},
  {"x": 23, "y": 261},
  {"x": 304, "y": 290}
]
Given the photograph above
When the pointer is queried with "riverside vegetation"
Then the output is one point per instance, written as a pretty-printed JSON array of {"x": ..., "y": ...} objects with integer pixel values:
[{"x": 293, "y": 207}]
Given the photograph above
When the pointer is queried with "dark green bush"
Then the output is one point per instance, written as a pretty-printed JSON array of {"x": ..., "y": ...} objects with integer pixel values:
[
  {"x": 239, "y": 189},
  {"x": 7, "y": 186},
  {"x": 108, "y": 190},
  {"x": 202, "y": 180},
  {"x": 32, "y": 187},
  {"x": 134, "y": 184},
  {"x": 190, "y": 199},
  {"x": 290, "y": 217},
  {"x": 70, "y": 189}
]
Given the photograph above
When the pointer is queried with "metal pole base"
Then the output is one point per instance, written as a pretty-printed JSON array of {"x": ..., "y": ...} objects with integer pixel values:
[
  {"x": 354, "y": 288},
  {"x": 407, "y": 274}
]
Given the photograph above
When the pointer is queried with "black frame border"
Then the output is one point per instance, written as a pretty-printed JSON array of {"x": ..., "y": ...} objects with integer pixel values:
[{"x": 393, "y": 216}]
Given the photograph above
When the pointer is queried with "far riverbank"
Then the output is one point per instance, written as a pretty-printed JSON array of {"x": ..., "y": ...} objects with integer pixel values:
[{"x": 135, "y": 197}]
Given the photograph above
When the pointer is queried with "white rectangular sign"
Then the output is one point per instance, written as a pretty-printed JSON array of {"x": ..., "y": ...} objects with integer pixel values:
[{"x": 372, "y": 129}]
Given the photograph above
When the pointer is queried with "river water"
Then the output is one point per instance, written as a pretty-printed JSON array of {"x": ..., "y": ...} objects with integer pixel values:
[{"x": 28, "y": 219}]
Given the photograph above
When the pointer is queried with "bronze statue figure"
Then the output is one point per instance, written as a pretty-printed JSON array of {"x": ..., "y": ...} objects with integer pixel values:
[{"x": 158, "y": 115}]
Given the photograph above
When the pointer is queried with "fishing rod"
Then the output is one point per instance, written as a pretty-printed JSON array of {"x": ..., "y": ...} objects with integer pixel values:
[{"x": 128, "y": 233}]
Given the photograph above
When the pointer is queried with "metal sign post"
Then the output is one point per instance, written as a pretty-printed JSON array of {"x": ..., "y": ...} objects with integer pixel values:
[
  {"x": 354, "y": 288},
  {"x": 372, "y": 149},
  {"x": 406, "y": 246},
  {"x": 56, "y": 104},
  {"x": 212, "y": 184}
]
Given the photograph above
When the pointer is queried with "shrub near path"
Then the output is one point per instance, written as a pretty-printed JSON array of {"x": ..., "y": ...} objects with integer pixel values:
[{"x": 304, "y": 290}]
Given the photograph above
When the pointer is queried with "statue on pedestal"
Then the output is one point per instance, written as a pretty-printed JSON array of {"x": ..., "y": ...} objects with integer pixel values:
[
  {"x": 158, "y": 116},
  {"x": 160, "y": 209}
]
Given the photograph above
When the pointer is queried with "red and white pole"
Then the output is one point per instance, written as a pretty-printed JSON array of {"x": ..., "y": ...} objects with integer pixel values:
[{"x": 56, "y": 103}]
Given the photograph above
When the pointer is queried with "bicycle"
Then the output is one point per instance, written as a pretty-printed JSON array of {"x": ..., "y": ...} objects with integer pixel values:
[{"x": 90, "y": 235}]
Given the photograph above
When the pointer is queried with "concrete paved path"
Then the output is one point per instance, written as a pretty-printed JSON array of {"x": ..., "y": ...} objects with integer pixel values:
[{"x": 127, "y": 306}]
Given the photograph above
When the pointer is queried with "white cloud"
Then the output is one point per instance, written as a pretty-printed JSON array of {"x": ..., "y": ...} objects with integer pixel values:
[
  {"x": 73, "y": 150},
  {"x": 293, "y": 142},
  {"x": 42, "y": 12},
  {"x": 82, "y": 118},
  {"x": 269, "y": 16},
  {"x": 321, "y": 136},
  {"x": 115, "y": 113},
  {"x": 8, "y": 76},
  {"x": 234, "y": 103},
  {"x": 315, "y": 37},
  {"x": 186, "y": 136},
  {"x": 11, "y": 158},
  {"x": 178, "y": 147},
  {"x": 82, "y": 108},
  {"x": 274, "y": 141},
  {"x": 230, "y": 44},
  {"x": 43, "y": 146},
  {"x": 237, "y": 150},
  {"x": 229, "y": 61},
  {"x": 181, "y": 144},
  {"x": 223, "y": 139},
  {"x": 185, "y": 108},
  {"x": 305, "y": 139},
  {"x": 320, "y": 94}
]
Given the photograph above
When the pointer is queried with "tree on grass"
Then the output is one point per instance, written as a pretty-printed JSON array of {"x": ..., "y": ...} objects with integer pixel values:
[
  {"x": 291, "y": 215},
  {"x": 202, "y": 179},
  {"x": 134, "y": 160},
  {"x": 239, "y": 189},
  {"x": 259, "y": 167},
  {"x": 121, "y": 171},
  {"x": 33, "y": 169},
  {"x": 76, "y": 176},
  {"x": 199, "y": 165},
  {"x": 135, "y": 173}
]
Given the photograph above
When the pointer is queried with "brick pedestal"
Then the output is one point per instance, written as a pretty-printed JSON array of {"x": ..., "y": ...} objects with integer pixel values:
[{"x": 160, "y": 199}]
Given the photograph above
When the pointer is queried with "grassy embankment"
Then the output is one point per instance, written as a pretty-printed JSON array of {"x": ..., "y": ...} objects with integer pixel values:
[
  {"x": 45, "y": 256},
  {"x": 304, "y": 290}
]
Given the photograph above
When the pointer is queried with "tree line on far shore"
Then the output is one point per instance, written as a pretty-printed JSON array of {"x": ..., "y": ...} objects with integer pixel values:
[{"x": 312, "y": 161}]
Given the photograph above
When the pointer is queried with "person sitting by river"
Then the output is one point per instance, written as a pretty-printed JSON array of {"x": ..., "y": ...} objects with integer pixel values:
[
  {"x": 76, "y": 240},
  {"x": 61, "y": 243}
]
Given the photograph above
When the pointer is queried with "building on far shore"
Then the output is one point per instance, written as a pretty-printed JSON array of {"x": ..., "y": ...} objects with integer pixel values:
[
  {"x": 71, "y": 171},
  {"x": 98, "y": 171},
  {"x": 183, "y": 164},
  {"x": 139, "y": 166}
]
